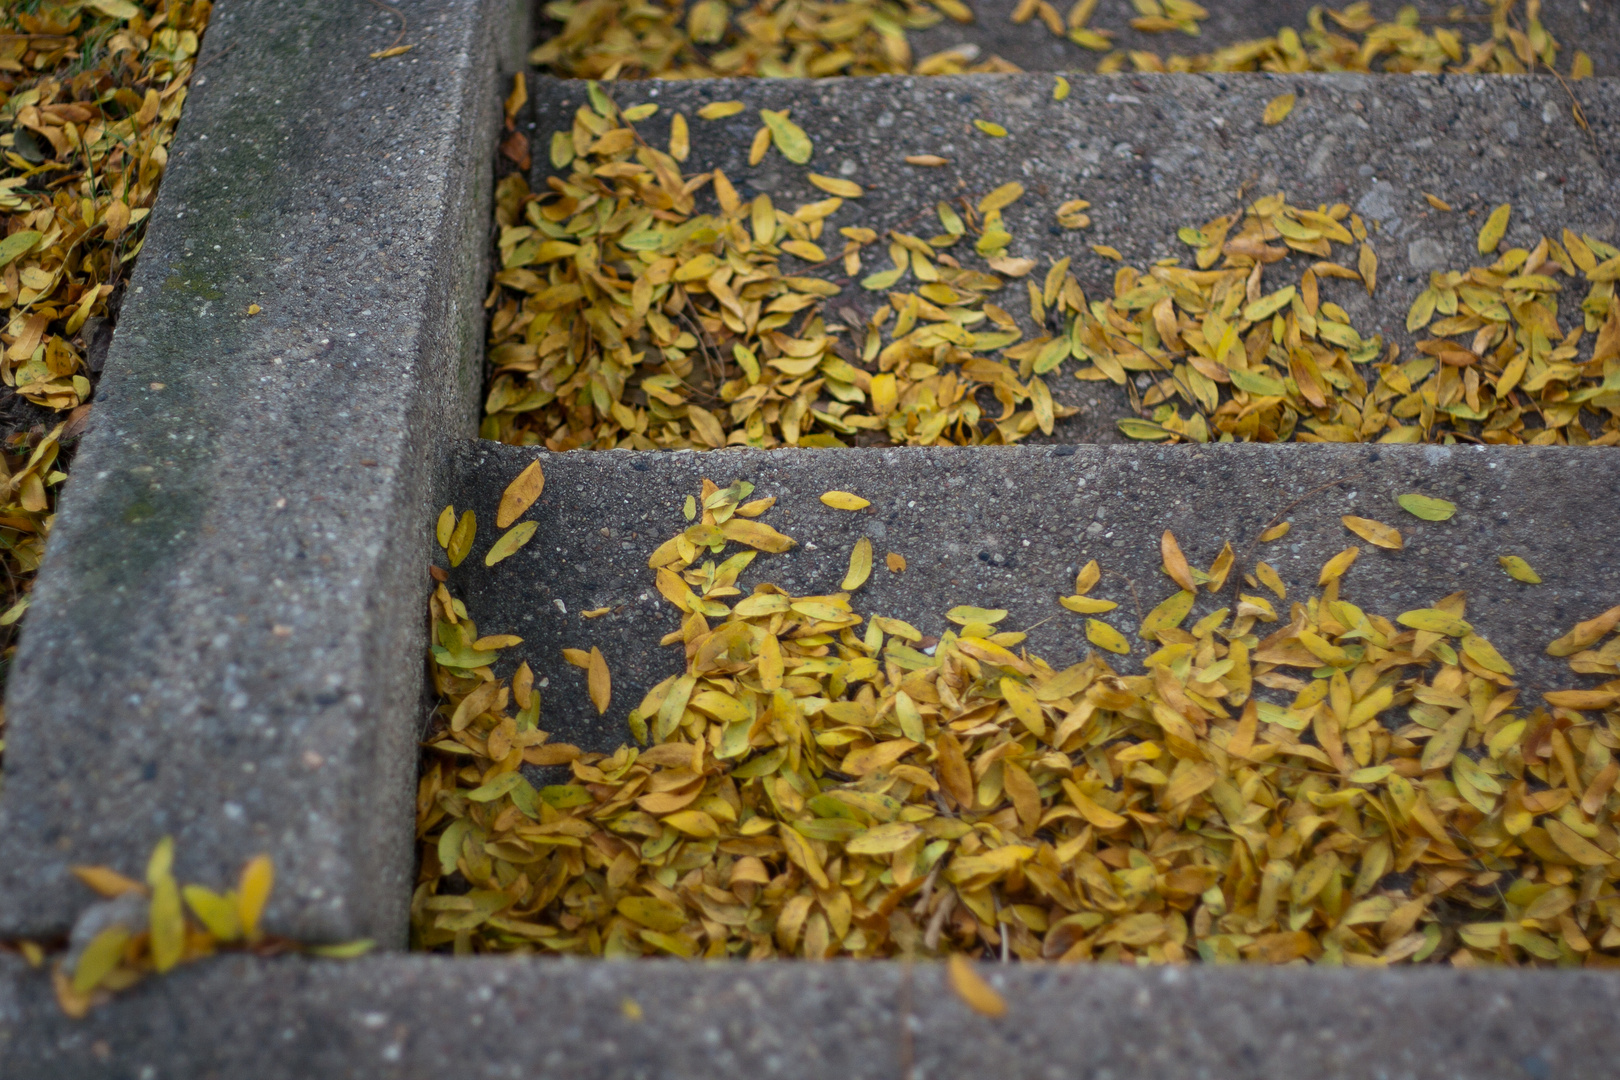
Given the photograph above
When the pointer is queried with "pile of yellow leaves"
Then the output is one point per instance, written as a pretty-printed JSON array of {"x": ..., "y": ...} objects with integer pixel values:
[
  {"x": 147, "y": 930},
  {"x": 1330, "y": 43},
  {"x": 821, "y": 783},
  {"x": 1254, "y": 364},
  {"x": 90, "y": 91},
  {"x": 645, "y": 324},
  {"x": 628, "y": 39},
  {"x": 120, "y": 954},
  {"x": 616, "y": 39}
]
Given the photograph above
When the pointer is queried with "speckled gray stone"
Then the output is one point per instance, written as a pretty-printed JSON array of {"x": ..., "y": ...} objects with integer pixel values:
[
  {"x": 1592, "y": 25},
  {"x": 223, "y": 638},
  {"x": 1009, "y": 528},
  {"x": 1153, "y": 153},
  {"x": 428, "y": 1017}
]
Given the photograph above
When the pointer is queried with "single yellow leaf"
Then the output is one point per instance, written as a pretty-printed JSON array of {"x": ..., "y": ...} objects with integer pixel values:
[
  {"x": 896, "y": 562},
  {"x": 1335, "y": 567},
  {"x": 1087, "y": 578},
  {"x": 1168, "y": 614},
  {"x": 107, "y": 881},
  {"x": 1375, "y": 532},
  {"x": 1060, "y": 89},
  {"x": 719, "y": 110},
  {"x": 847, "y": 189},
  {"x": 1276, "y": 532},
  {"x": 100, "y": 957},
  {"x": 1437, "y": 202},
  {"x": 1495, "y": 227},
  {"x": 1086, "y": 605},
  {"x": 258, "y": 876},
  {"x": 1427, "y": 508},
  {"x": 1277, "y": 109},
  {"x": 461, "y": 540},
  {"x": 445, "y": 527},
  {"x": 1175, "y": 563},
  {"x": 789, "y": 137},
  {"x": 1519, "y": 570},
  {"x": 990, "y": 128},
  {"x": 680, "y": 138},
  {"x": 931, "y": 161},
  {"x": 970, "y": 986},
  {"x": 1585, "y": 633},
  {"x": 167, "y": 923},
  {"x": 510, "y": 541},
  {"x": 1024, "y": 705},
  {"x": 599, "y": 682},
  {"x": 844, "y": 500},
  {"x": 1104, "y": 636},
  {"x": 860, "y": 565}
]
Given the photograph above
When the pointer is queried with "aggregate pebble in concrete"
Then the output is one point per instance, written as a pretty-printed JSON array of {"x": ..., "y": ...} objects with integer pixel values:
[
  {"x": 435, "y": 1017},
  {"x": 1592, "y": 25},
  {"x": 216, "y": 641},
  {"x": 1153, "y": 153},
  {"x": 1010, "y": 527}
]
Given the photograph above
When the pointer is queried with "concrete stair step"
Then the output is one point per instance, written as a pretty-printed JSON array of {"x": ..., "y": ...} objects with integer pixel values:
[
  {"x": 1010, "y": 527},
  {"x": 1154, "y": 153}
]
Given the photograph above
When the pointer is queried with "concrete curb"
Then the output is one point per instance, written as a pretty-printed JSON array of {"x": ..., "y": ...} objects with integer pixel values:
[
  {"x": 237, "y": 571},
  {"x": 436, "y": 1017}
]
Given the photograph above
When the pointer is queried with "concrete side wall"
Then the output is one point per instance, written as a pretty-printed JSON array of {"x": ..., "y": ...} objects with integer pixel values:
[{"x": 223, "y": 636}]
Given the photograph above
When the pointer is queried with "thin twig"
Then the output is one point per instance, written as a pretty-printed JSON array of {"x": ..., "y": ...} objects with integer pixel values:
[{"x": 403, "y": 24}]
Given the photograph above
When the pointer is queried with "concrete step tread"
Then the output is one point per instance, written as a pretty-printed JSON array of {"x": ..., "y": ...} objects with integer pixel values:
[
  {"x": 1153, "y": 154},
  {"x": 1010, "y": 527},
  {"x": 437, "y": 1016}
]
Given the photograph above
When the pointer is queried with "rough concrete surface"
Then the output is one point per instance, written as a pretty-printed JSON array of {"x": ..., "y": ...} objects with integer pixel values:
[
  {"x": 1592, "y": 25},
  {"x": 1153, "y": 153},
  {"x": 216, "y": 641},
  {"x": 1010, "y": 528},
  {"x": 439, "y": 1017}
]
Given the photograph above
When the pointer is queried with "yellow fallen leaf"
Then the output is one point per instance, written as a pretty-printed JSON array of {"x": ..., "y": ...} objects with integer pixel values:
[
  {"x": 1060, "y": 89},
  {"x": 844, "y": 500},
  {"x": 253, "y": 891},
  {"x": 1277, "y": 110},
  {"x": 896, "y": 562},
  {"x": 680, "y": 138},
  {"x": 1495, "y": 227},
  {"x": 1335, "y": 567},
  {"x": 598, "y": 681},
  {"x": 461, "y": 539},
  {"x": 1107, "y": 252},
  {"x": 927, "y": 160},
  {"x": 397, "y": 50},
  {"x": 990, "y": 128},
  {"x": 719, "y": 110},
  {"x": 510, "y": 542},
  {"x": 1519, "y": 570},
  {"x": 107, "y": 881},
  {"x": 1175, "y": 563},
  {"x": 847, "y": 189},
  {"x": 1104, "y": 636},
  {"x": 860, "y": 565},
  {"x": 970, "y": 986},
  {"x": 1375, "y": 532},
  {"x": 1585, "y": 633},
  {"x": 1437, "y": 202},
  {"x": 1276, "y": 532}
]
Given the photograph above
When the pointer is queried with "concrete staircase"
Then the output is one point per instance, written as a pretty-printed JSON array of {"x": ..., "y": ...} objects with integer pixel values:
[{"x": 226, "y": 640}]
